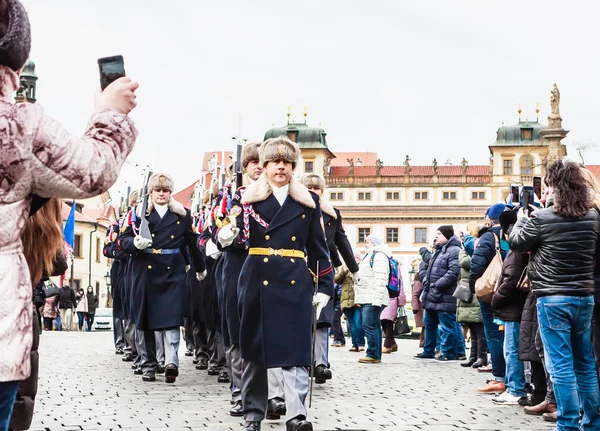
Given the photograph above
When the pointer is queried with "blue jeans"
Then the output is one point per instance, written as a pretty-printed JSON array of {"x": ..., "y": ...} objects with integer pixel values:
[
  {"x": 565, "y": 327},
  {"x": 445, "y": 321},
  {"x": 459, "y": 346},
  {"x": 515, "y": 370},
  {"x": 354, "y": 316},
  {"x": 8, "y": 393},
  {"x": 372, "y": 325},
  {"x": 495, "y": 341}
]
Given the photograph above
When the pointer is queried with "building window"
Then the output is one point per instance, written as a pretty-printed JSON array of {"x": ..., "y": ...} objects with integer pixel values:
[
  {"x": 77, "y": 247},
  {"x": 98, "y": 289},
  {"x": 392, "y": 196},
  {"x": 364, "y": 196},
  {"x": 420, "y": 235},
  {"x": 508, "y": 167},
  {"x": 526, "y": 165},
  {"x": 363, "y": 233},
  {"x": 76, "y": 284},
  {"x": 308, "y": 167},
  {"x": 449, "y": 196},
  {"x": 336, "y": 196},
  {"x": 421, "y": 196},
  {"x": 98, "y": 250},
  {"x": 292, "y": 135},
  {"x": 391, "y": 234},
  {"x": 526, "y": 134},
  {"x": 478, "y": 196}
]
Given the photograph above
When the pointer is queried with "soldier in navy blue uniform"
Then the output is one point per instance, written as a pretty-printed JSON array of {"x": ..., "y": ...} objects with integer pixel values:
[
  {"x": 338, "y": 244},
  {"x": 233, "y": 260},
  {"x": 111, "y": 251},
  {"x": 159, "y": 287},
  {"x": 281, "y": 224}
]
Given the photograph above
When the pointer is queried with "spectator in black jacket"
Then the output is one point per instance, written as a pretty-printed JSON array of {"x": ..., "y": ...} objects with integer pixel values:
[
  {"x": 66, "y": 304},
  {"x": 92, "y": 304},
  {"x": 564, "y": 243},
  {"x": 482, "y": 257}
]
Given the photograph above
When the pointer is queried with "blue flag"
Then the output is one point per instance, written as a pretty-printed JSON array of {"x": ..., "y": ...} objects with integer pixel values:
[{"x": 69, "y": 231}]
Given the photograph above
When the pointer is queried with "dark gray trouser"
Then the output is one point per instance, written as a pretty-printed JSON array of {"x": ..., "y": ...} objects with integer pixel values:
[
  {"x": 129, "y": 336},
  {"x": 217, "y": 350},
  {"x": 235, "y": 365},
  {"x": 322, "y": 347},
  {"x": 539, "y": 346},
  {"x": 596, "y": 336},
  {"x": 147, "y": 350},
  {"x": 160, "y": 346},
  {"x": 255, "y": 391},
  {"x": 188, "y": 334},
  {"x": 200, "y": 341},
  {"x": 118, "y": 333},
  {"x": 275, "y": 377}
]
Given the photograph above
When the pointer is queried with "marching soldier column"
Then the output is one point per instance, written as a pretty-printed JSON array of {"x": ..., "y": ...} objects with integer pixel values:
[{"x": 280, "y": 225}]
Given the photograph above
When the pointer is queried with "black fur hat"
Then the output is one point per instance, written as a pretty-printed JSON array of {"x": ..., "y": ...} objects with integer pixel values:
[{"x": 16, "y": 43}]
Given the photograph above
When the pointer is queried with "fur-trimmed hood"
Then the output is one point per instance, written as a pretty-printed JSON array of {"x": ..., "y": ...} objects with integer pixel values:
[
  {"x": 261, "y": 189},
  {"x": 174, "y": 206},
  {"x": 326, "y": 208}
]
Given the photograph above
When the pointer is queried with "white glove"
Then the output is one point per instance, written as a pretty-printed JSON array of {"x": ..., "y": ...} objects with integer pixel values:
[
  {"x": 200, "y": 275},
  {"x": 338, "y": 269},
  {"x": 187, "y": 268},
  {"x": 141, "y": 243},
  {"x": 320, "y": 300},
  {"x": 355, "y": 278},
  {"x": 212, "y": 250},
  {"x": 227, "y": 234}
]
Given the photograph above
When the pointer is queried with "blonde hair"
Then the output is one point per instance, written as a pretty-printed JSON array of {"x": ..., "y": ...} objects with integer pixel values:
[{"x": 473, "y": 228}]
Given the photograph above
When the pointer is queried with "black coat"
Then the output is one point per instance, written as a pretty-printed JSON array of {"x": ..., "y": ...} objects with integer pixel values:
[
  {"x": 111, "y": 250},
  {"x": 275, "y": 292},
  {"x": 528, "y": 331},
  {"x": 509, "y": 300},
  {"x": 337, "y": 244},
  {"x": 159, "y": 293},
  {"x": 442, "y": 277},
  {"x": 66, "y": 298},
  {"x": 563, "y": 252}
]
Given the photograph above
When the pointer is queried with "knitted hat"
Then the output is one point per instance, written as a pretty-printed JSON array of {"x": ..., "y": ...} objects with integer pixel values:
[
  {"x": 16, "y": 43},
  {"x": 494, "y": 211},
  {"x": 280, "y": 148},
  {"x": 375, "y": 239},
  {"x": 250, "y": 153},
  {"x": 314, "y": 181},
  {"x": 447, "y": 230},
  {"x": 506, "y": 219}
]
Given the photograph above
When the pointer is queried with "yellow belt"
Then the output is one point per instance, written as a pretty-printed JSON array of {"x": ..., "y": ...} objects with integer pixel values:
[{"x": 283, "y": 252}]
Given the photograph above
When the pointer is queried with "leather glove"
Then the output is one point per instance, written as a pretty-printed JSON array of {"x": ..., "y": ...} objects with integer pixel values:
[
  {"x": 415, "y": 311},
  {"x": 227, "y": 234},
  {"x": 355, "y": 278},
  {"x": 320, "y": 300},
  {"x": 201, "y": 275},
  {"x": 141, "y": 243}
]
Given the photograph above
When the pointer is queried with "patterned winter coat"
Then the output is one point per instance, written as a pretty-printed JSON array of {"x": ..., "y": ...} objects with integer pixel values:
[{"x": 37, "y": 155}]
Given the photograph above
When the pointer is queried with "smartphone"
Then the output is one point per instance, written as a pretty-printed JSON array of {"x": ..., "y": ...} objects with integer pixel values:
[
  {"x": 527, "y": 198},
  {"x": 111, "y": 69},
  {"x": 514, "y": 191},
  {"x": 537, "y": 186}
]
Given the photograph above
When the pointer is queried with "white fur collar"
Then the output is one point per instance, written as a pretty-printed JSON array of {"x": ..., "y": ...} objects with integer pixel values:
[
  {"x": 261, "y": 189},
  {"x": 327, "y": 208},
  {"x": 174, "y": 206}
]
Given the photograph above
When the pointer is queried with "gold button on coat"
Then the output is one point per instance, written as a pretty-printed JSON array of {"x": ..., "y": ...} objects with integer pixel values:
[
  {"x": 172, "y": 236},
  {"x": 266, "y": 283},
  {"x": 168, "y": 267},
  {"x": 292, "y": 260},
  {"x": 177, "y": 222},
  {"x": 149, "y": 266},
  {"x": 293, "y": 238},
  {"x": 267, "y": 237},
  {"x": 303, "y": 216},
  {"x": 293, "y": 282},
  {"x": 266, "y": 259},
  {"x": 152, "y": 235}
]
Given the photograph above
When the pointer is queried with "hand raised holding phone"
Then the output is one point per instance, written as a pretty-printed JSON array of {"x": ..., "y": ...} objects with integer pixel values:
[{"x": 120, "y": 95}]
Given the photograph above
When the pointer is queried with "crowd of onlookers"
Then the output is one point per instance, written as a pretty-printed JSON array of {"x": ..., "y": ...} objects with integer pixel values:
[
  {"x": 58, "y": 311},
  {"x": 523, "y": 287}
]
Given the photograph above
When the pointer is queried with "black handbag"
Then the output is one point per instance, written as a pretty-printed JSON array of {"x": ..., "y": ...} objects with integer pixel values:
[
  {"x": 50, "y": 289},
  {"x": 401, "y": 325},
  {"x": 463, "y": 292}
]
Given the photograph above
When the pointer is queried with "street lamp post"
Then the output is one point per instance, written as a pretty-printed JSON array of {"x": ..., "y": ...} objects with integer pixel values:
[{"x": 107, "y": 280}]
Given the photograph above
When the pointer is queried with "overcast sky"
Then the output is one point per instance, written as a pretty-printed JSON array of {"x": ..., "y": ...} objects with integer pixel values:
[{"x": 425, "y": 78}]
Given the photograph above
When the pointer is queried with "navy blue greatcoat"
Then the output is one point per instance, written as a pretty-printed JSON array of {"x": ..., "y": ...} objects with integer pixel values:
[
  {"x": 158, "y": 293},
  {"x": 275, "y": 292},
  {"x": 111, "y": 251},
  {"x": 338, "y": 244}
]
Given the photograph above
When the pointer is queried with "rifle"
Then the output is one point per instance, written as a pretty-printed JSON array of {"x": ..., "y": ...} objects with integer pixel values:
[
  {"x": 237, "y": 168},
  {"x": 314, "y": 338},
  {"x": 144, "y": 228}
]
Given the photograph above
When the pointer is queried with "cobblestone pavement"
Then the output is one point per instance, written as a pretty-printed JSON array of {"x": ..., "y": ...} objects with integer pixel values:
[{"x": 85, "y": 386}]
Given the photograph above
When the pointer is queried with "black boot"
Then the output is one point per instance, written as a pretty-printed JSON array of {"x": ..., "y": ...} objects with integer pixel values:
[
  {"x": 171, "y": 373},
  {"x": 127, "y": 357},
  {"x": 160, "y": 368},
  {"x": 275, "y": 408},
  {"x": 468, "y": 363},
  {"x": 237, "y": 409},
  {"x": 251, "y": 426},
  {"x": 480, "y": 363},
  {"x": 203, "y": 364},
  {"x": 299, "y": 423},
  {"x": 148, "y": 376},
  {"x": 223, "y": 377}
]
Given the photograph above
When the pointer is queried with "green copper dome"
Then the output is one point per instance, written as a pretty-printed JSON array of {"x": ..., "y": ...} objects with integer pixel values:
[
  {"x": 525, "y": 133},
  {"x": 29, "y": 70},
  {"x": 304, "y": 135}
]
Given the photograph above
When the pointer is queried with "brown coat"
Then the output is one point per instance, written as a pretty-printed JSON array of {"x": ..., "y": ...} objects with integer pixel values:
[{"x": 417, "y": 288}]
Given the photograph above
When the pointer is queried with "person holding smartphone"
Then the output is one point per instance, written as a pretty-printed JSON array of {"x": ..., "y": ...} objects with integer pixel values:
[{"x": 39, "y": 156}]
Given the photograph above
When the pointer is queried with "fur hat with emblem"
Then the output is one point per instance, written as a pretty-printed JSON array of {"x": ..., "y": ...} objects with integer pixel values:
[
  {"x": 314, "y": 181},
  {"x": 160, "y": 181},
  {"x": 250, "y": 153},
  {"x": 280, "y": 148}
]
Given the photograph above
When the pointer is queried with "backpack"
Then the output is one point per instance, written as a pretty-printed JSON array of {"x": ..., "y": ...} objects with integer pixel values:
[{"x": 394, "y": 281}]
